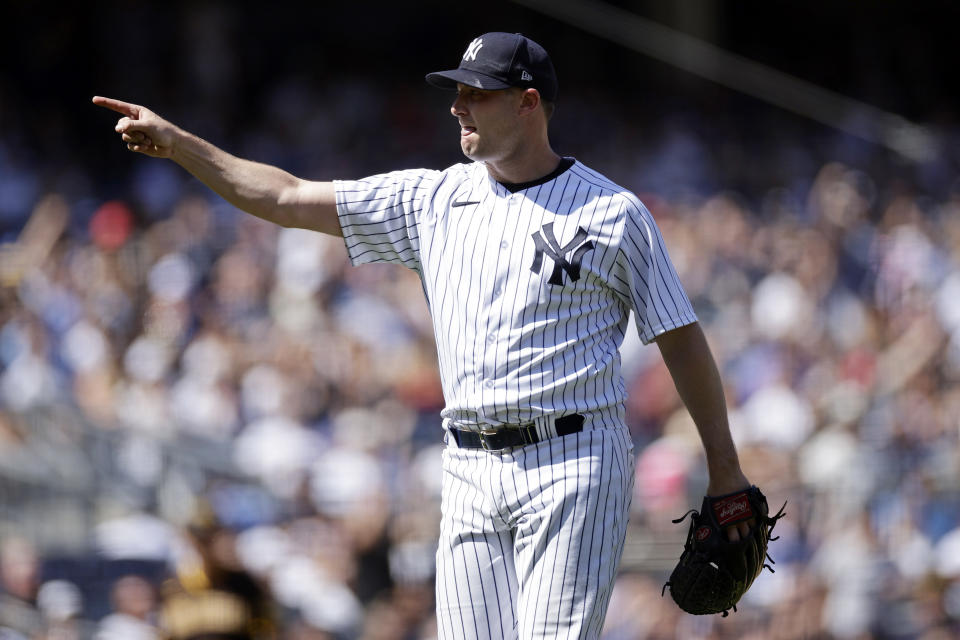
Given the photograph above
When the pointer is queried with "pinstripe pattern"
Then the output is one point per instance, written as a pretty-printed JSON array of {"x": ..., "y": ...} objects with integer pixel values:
[
  {"x": 511, "y": 346},
  {"x": 510, "y": 565},
  {"x": 530, "y": 294}
]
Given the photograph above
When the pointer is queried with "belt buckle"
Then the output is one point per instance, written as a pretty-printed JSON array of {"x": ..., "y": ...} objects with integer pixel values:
[{"x": 484, "y": 434}]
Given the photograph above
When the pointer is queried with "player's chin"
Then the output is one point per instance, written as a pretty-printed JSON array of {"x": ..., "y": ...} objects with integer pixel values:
[
  {"x": 472, "y": 149},
  {"x": 467, "y": 145}
]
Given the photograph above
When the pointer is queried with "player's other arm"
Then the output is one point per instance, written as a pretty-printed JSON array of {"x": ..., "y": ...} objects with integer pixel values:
[
  {"x": 694, "y": 371},
  {"x": 265, "y": 191}
]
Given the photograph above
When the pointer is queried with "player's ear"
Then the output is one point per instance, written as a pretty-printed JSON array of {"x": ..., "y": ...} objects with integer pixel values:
[{"x": 529, "y": 101}]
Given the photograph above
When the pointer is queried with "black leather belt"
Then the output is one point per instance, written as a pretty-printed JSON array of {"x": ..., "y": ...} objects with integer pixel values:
[{"x": 514, "y": 435}]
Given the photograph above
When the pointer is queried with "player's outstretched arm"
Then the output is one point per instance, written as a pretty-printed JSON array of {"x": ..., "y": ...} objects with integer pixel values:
[
  {"x": 266, "y": 192},
  {"x": 687, "y": 355}
]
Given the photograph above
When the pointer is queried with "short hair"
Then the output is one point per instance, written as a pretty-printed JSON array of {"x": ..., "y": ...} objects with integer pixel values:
[{"x": 548, "y": 108}]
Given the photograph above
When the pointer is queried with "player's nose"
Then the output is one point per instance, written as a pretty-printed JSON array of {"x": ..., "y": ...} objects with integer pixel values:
[{"x": 457, "y": 108}]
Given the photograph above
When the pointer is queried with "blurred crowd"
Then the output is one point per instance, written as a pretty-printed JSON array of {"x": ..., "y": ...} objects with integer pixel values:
[{"x": 209, "y": 424}]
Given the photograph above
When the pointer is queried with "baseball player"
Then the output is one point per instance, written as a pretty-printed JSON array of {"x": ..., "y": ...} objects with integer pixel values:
[{"x": 531, "y": 263}]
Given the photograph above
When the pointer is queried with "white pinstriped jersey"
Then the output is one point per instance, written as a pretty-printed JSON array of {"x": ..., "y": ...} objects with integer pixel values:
[{"x": 529, "y": 291}]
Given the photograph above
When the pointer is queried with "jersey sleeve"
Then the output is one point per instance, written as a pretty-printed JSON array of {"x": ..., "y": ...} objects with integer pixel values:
[
  {"x": 646, "y": 277},
  {"x": 379, "y": 216}
]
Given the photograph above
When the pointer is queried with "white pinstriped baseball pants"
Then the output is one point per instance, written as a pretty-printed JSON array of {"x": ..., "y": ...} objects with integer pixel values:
[{"x": 531, "y": 538}]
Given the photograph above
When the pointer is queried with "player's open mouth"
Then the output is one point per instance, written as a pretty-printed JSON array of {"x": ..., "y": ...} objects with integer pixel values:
[{"x": 465, "y": 130}]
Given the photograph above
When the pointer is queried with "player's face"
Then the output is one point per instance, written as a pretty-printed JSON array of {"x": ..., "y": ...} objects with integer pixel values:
[{"x": 488, "y": 127}]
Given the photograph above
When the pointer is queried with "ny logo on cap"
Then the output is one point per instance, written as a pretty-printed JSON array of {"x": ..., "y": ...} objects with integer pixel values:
[
  {"x": 547, "y": 243},
  {"x": 471, "y": 52}
]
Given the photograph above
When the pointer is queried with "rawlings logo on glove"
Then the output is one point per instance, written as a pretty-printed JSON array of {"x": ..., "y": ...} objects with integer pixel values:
[{"x": 732, "y": 509}]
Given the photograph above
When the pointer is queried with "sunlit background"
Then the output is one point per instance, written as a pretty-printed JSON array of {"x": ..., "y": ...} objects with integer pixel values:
[{"x": 169, "y": 364}]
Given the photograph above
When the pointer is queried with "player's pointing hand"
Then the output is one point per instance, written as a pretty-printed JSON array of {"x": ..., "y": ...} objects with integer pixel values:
[{"x": 143, "y": 130}]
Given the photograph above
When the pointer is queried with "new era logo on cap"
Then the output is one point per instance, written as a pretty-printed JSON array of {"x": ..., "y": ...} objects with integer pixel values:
[{"x": 499, "y": 60}]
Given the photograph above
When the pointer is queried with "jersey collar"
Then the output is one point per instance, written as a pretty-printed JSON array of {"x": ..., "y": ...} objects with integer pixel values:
[{"x": 565, "y": 163}]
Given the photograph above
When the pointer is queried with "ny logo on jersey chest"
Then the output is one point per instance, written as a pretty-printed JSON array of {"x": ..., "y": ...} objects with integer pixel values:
[{"x": 546, "y": 243}]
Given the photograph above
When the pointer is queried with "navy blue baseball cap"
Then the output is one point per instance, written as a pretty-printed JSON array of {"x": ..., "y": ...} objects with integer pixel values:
[{"x": 500, "y": 60}]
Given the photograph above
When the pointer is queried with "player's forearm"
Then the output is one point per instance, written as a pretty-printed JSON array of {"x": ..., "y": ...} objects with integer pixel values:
[
  {"x": 695, "y": 375},
  {"x": 262, "y": 190}
]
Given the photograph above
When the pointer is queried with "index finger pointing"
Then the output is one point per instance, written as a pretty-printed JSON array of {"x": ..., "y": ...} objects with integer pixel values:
[{"x": 119, "y": 106}]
